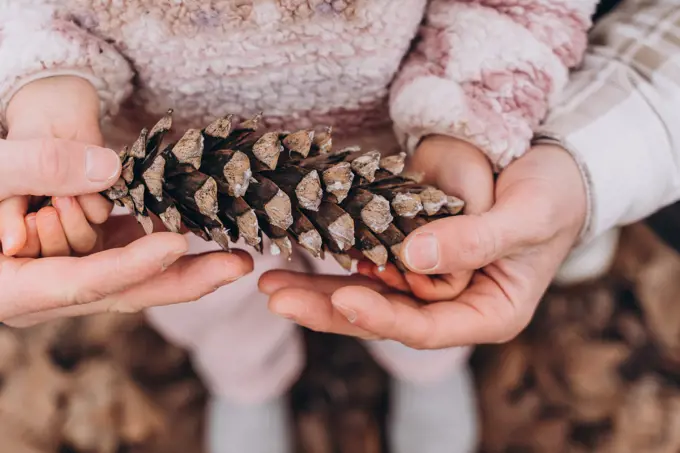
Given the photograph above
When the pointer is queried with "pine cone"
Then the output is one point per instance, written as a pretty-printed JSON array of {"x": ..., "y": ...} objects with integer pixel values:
[{"x": 226, "y": 182}]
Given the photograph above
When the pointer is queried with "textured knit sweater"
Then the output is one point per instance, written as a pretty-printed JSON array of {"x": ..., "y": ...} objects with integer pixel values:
[{"x": 481, "y": 70}]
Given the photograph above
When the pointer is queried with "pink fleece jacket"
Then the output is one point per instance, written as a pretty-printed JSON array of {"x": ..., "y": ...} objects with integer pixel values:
[{"x": 481, "y": 70}]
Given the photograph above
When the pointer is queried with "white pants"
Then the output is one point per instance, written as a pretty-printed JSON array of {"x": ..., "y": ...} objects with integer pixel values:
[{"x": 246, "y": 354}]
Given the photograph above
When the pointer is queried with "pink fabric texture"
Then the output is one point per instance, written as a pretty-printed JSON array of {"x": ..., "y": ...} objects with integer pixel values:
[{"x": 482, "y": 70}]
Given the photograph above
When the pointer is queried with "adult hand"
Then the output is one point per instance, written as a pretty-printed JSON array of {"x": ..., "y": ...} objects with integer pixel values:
[
  {"x": 516, "y": 248},
  {"x": 150, "y": 271},
  {"x": 126, "y": 277}
]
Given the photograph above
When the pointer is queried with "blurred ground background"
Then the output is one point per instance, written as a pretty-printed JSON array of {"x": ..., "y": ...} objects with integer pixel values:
[{"x": 597, "y": 371}]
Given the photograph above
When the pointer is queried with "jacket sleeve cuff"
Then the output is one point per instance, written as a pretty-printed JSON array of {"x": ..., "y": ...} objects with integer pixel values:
[
  {"x": 547, "y": 139},
  {"x": 37, "y": 45},
  {"x": 493, "y": 95}
]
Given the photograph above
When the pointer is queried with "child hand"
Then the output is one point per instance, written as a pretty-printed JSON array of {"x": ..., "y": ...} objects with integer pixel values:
[
  {"x": 68, "y": 227},
  {"x": 53, "y": 108},
  {"x": 459, "y": 169}
]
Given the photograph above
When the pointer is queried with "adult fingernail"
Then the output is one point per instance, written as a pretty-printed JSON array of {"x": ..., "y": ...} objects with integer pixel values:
[
  {"x": 348, "y": 313},
  {"x": 422, "y": 252},
  {"x": 101, "y": 164}
]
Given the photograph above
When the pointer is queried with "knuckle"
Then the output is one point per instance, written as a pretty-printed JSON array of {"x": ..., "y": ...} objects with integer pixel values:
[
  {"x": 470, "y": 246},
  {"x": 87, "y": 246}
]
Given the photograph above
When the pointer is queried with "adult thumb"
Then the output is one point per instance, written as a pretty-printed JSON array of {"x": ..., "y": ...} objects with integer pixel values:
[
  {"x": 55, "y": 167},
  {"x": 470, "y": 242}
]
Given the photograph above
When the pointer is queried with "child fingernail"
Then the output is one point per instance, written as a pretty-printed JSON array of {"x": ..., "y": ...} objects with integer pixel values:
[
  {"x": 9, "y": 245},
  {"x": 101, "y": 164},
  {"x": 422, "y": 252},
  {"x": 348, "y": 313}
]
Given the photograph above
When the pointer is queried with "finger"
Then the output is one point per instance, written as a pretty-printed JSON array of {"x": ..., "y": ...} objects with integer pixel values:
[
  {"x": 188, "y": 279},
  {"x": 388, "y": 274},
  {"x": 96, "y": 208},
  {"x": 276, "y": 280},
  {"x": 53, "y": 240},
  {"x": 74, "y": 281},
  {"x": 378, "y": 319},
  {"x": 12, "y": 224},
  {"x": 458, "y": 168},
  {"x": 55, "y": 167},
  {"x": 437, "y": 288},
  {"x": 313, "y": 310},
  {"x": 366, "y": 268},
  {"x": 392, "y": 277},
  {"x": 468, "y": 242},
  {"x": 483, "y": 314},
  {"x": 32, "y": 247},
  {"x": 79, "y": 233}
]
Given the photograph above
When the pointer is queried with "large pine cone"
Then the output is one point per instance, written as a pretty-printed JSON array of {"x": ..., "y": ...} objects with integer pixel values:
[{"x": 226, "y": 182}]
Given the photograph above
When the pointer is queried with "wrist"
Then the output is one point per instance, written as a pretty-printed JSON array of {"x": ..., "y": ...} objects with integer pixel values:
[{"x": 61, "y": 99}]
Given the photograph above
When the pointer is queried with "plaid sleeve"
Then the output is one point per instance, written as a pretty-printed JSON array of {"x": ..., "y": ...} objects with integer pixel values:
[{"x": 620, "y": 115}]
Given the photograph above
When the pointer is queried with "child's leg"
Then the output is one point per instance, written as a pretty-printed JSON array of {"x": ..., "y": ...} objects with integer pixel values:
[
  {"x": 434, "y": 407},
  {"x": 247, "y": 357},
  {"x": 433, "y": 403}
]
